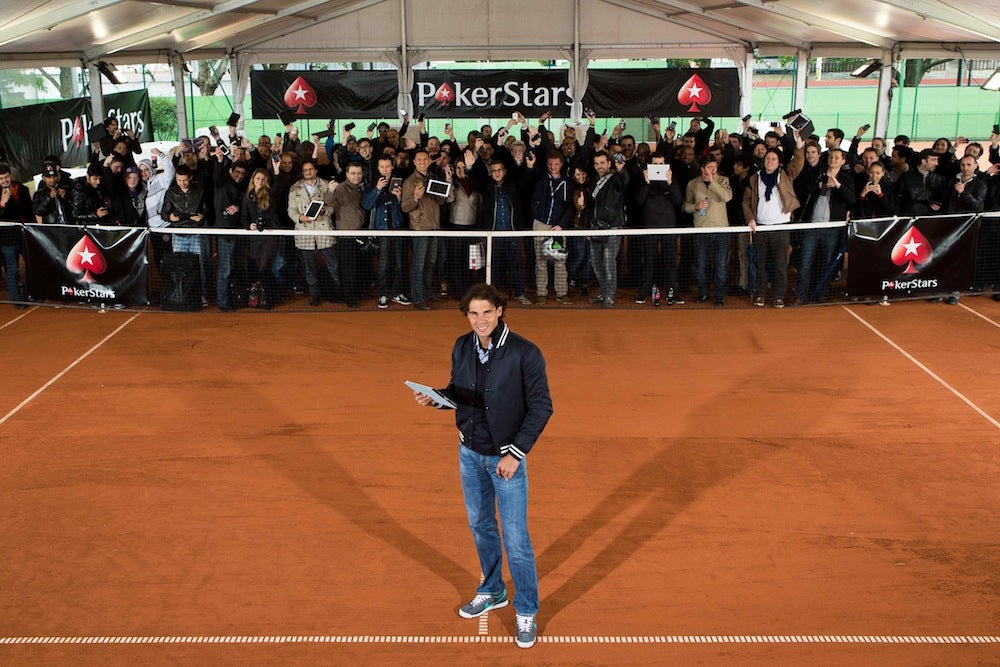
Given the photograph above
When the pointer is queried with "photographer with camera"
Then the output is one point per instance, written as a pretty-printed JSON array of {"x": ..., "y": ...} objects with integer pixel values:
[{"x": 50, "y": 203}]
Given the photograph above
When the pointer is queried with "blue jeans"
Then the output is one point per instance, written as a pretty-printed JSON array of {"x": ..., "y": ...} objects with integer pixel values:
[
  {"x": 422, "y": 268},
  {"x": 484, "y": 492},
  {"x": 817, "y": 244},
  {"x": 11, "y": 254},
  {"x": 225, "y": 248},
  {"x": 604, "y": 253},
  {"x": 716, "y": 247}
]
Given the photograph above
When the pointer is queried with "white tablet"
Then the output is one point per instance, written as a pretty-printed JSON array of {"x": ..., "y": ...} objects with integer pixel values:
[
  {"x": 657, "y": 172},
  {"x": 439, "y": 188},
  {"x": 315, "y": 207}
]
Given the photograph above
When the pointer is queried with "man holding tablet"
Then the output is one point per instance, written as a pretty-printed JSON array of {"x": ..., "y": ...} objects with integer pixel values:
[{"x": 501, "y": 391}]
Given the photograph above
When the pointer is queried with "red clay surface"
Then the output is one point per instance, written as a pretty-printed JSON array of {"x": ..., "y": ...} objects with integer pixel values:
[{"x": 750, "y": 472}]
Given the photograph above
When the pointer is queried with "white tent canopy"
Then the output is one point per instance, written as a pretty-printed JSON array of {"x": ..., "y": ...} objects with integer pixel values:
[
  {"x": 60, "y": 32},
  {"x": 406, "y": 33}
]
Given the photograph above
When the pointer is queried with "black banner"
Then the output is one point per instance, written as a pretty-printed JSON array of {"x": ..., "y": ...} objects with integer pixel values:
[
  {"x": 82, "y": 265},
  {"x": 324, "y": 94},
  {"x": 496, "y": 93},
  {"x": 663, "y": 92},
  {"x": 28, "y": 134},
  {"x": 491, "y": 93},
  {"x": 912, "y": 256}
]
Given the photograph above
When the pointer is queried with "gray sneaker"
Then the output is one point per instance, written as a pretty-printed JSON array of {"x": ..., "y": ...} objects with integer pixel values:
[
  {"x": 482, "y": 603},
  {"x": 526, "y": 631}
]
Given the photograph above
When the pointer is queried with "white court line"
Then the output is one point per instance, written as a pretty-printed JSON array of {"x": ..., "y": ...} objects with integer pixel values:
[
  {"x": 978, "y": 314},
  {"x": 30, "y": 310},
  {"x": 66, "y": 370},
  {"x": 479, "y": 639},
  {"x": 923, "y": 368}
]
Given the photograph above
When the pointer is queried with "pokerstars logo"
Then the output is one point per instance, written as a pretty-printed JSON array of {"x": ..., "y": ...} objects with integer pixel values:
[
  {"x": 914, "y": 251},
  {"x": 299, "y": 96},
  {"x": 694, "y": 92},
  {"x": 72, "y": 132},
  {"x": 510, "y": 94},
  {"x": 86, "y": 258}
]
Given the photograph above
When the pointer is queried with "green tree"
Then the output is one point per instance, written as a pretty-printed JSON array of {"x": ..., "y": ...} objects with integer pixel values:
[
  {"x": 164, "y": 113},
  {"x": 915, "y": 68}
]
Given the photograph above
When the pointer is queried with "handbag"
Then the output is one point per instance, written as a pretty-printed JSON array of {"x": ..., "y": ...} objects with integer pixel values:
[{"x": 256, "y": 298}]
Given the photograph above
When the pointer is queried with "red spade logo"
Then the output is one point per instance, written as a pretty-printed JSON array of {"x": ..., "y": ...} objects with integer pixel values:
[
  {"x": 445, "y": 94},
  {"x": 86, "y": 257},
  {"x": 300, "y": 94},
  {"x": 77, "y": 137},
  {"x": 694, "y": 92},
  {"x": 912, "y": 248}
]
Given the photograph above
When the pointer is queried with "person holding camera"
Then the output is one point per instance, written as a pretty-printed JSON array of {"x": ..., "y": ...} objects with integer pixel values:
[
  {"x": 231, "y": 185},
  {"x": 89, "y": 203},
  {"x": 259, "y": 213},
  {"x": 183, "y": 206},
  {"x": 50, "y": 203}
]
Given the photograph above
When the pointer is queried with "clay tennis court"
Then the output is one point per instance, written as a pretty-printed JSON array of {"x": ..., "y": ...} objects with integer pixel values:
[{"x": 809, "y": 486}]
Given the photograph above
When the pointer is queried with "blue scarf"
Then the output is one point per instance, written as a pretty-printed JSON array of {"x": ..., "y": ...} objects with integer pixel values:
[{"x": 770, "y": 180}]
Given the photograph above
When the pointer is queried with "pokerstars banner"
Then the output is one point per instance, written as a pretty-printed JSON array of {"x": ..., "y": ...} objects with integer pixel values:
[
  {"x": 491, "y": 93},
  {"x": 29, "y": 133},
  {"x": 85, "y": 265},
  {"x": 496, "y": 93},
  {"x": 912, "y": 256},
  {"x": 323, "y": 94},
  {"x": 663, "y": 92}
]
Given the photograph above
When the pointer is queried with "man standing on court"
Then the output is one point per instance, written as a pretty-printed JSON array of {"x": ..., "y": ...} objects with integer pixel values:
[{"x": 501, "y": 391}]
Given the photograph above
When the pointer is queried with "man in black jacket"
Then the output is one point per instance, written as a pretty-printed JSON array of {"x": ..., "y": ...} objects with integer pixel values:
[
  {"x": 921, "y": 191},
  {"x": 15, "y": 206},
  {"x": 606, "y": 204},
  {"x": 232, "y": 185},
  {"x": 503, "y": 210},
  {"x": 184, "y": 206},
  {"x": 501, "y": 392}
]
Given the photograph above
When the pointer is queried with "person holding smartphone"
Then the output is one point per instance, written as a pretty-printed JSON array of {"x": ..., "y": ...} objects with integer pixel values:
[{"x": 15, "y": 206}]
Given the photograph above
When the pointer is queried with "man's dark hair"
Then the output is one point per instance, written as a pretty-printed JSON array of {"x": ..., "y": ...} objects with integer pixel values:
[
  {"x": 4, "y": 168},
  {"x": 353, "y": 163},
  {"x": 837, "y": 133},
  {"x": 387, "y": 158},
  {"x": 603, "y": 154},
  {"x": 483, "y": 292},
  {"x": 628, "y": 136},
  {"x": 903, "y": 151},
  {"x": 54, "y": 159},
  {"x": 364, "y": 140},
  {"x": 183, "y": 170},
  {"x": 689, "y": 133},
  {"x": 658, "y": 154},
  {"x": 240, "y": 164},
  {"x": 926, "y": 153},
  {"x": 312, "y": 161},
  {"x": 554, "y": 155},
  {"x": 705, "y": 160},
  {"x": 744, "y": 160},
  {"x": 419, "y": 151},
  {"x": 901, "y": 139}
]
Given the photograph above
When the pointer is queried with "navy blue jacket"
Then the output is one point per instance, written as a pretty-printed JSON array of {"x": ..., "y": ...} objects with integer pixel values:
[{"x": 516, "y": 396}]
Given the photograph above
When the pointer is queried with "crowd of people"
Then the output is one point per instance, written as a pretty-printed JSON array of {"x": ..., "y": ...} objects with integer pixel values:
[{"x": 521, "y": 177}]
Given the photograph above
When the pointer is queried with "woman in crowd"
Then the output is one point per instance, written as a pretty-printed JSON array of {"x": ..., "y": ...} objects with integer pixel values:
[
  {"x": 129, "y": 206},
  {"x": 260, "y": 213},
  {"x": 878, "y": 198},
  {"x": 579, "y": 266}
]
